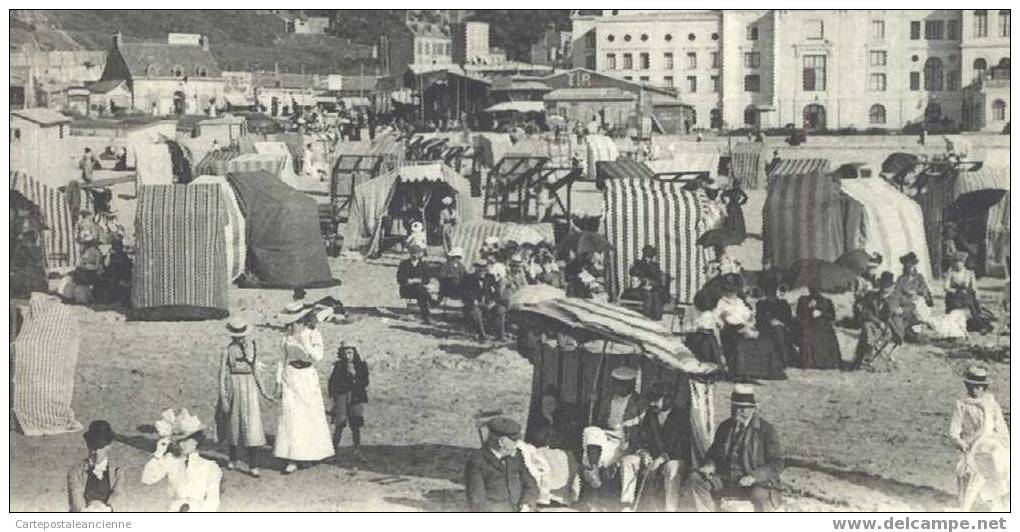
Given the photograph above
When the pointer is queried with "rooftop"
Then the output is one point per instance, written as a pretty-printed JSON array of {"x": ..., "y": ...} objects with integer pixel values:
[
  {"x": 41, "y": 115},
  {"x": 589, "y": 94},
  {"x": 157, "y": 59}
]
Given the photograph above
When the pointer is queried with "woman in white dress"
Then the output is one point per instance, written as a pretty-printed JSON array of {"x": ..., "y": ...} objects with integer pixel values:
[
  {"x": 303, "y": 432},
  {"x": 978, "y": 429}
]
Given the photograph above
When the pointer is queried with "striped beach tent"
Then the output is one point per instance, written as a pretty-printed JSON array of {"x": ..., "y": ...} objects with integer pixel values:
[
  {"x": 180, "y": 270},
  {"x": 803, "y": 218},
  {"x": 215, "y": 162},
  {"x": 641, "y": 212},
  {"x": 44, "y": 357},
  {"x": 256, "y": 162},
  {"x": 622, "y": 168},
  {"x": 892, "y": 225},
  {"x": 799, "y": 167},
  {"x": 234, "y": 229},
  {"x": 59, "y": 240},
  {"x": 747, "y": 164},
  {"x": 471, "y": 235}
]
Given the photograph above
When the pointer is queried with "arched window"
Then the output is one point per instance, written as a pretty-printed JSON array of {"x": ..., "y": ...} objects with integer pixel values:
[
  {"x": 876, "y": 115},
  {"x": 201, "y": 72},
  {"x": 999, "y": 111},
  {"x": 1004, "y": 62},
  {"x": 176, "y": 71},
  {"x": 151, "y": 71},
  {"x": 980, "y": 64},
  {"x": 933, "y": 79},
  {"x": 814, "y": 117}
]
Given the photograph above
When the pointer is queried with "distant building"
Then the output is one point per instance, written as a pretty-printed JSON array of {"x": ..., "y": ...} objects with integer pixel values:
[
  {"x": 39, "y": 145},
  {"x": 43, "y": 78},
  {"x": 165, "y": 78},
  {"x": 416, "y": 43},
  {"x": 816, "y": 69},
  {"x": 470, "y": 42},
  {"x": 552, "y": 48}
]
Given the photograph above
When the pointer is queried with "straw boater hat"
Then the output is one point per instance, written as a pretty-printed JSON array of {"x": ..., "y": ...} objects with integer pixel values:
[
  {"x": 237, "y": 327},
  {"x": 293, "y": 312},
  {"x": 456, "y": 252},
  {"x": 624, "y": 373},
  {"x": 976, "y": 375},
  {"x": 875, "y": 259},
  {"x": 743, "y": 395}
]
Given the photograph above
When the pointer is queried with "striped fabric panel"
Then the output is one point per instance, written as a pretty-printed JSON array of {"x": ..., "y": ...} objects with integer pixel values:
[
  {"x": 747, "y": 164},
  {"x": 216, "y": 163},
  {"x": 366, "y": 212},
  {"x": 59, "y": 241},
  {"x": 893, "y": 223},
  {"x": 251, "y": 162},
  {"x": 599, "y": 148},
  {"x": 45, "y": 356},
  {"x": 803, "y": 219},
  {"x": 799, "y": 167},
  {"x": 181, "y": 257},
  {"x": 936, "y": 198},
  {"x": 985, "y": 178},
  {"x": 997, "y": 233},
  {"x": 623, "y": 168},
  {"x": 470, "y": 236},
  {"x": 235, "y": 230},
  {"x": 641, "y": 212}
]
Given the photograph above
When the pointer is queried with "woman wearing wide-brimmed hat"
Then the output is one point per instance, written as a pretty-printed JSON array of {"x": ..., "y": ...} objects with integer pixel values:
[
  {"x": 302, "y": 434},
  {"x": 193, "y": 482},
  {"x": 95, "y": 484},
  {"x": 239, "y": 412},
  {"x": 978, "y": 430}
]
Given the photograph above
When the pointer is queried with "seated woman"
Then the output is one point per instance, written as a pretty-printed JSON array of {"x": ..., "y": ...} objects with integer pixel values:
[
  {"x": 704, "y": 342},
  {"x": 651, "y": 289},
  {"x": 819, "y": 347},
  {"x": 733, "y": 319},
  {"x": 961, "y": 293},
  {"x": 774, "y": 321}
]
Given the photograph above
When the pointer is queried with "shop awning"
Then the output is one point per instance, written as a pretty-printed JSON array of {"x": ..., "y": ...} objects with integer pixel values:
[{"x": 518, "y": 107}]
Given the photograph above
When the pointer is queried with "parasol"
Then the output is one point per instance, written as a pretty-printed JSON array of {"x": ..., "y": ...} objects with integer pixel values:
[
  {"x": 856, "y": 261},
  {"x": 976, "y": 201},
  {"x": 826, "y": 276},
  {"x": 720, "y": 237},
  {"x": 536, "y": 293},
  {"x": 583, "y": 242}
]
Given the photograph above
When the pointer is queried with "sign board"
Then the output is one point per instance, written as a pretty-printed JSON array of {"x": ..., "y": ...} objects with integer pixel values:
[{"x": 335, "y": 82}]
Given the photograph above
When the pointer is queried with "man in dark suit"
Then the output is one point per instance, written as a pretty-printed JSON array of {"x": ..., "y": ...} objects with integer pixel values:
[
  {"x": 661, "y": 446},
  {"x": 495, "y": 478},
  {"x": 413, "y": 278},
  {"x": 744, "y": 462},
  {"x": 650, "y": 281},
  {"x": 479, "y": 292}
]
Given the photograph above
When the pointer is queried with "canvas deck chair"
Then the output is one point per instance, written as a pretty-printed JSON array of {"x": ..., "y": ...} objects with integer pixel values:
[
  {"x": 508, "y": 186},
  {"x": 349, "y": 172}
]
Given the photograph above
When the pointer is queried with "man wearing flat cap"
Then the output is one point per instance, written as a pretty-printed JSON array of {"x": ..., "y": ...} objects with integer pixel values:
[
  {"x": 605, "y": 443},
  {"x": 661, "y": 446},
  {"x": 744, "y": 461},
  {"x": 495, "y": 477}
]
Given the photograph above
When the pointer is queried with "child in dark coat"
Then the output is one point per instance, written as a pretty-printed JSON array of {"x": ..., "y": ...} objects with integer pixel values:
[{"x": 348, "y": 388}]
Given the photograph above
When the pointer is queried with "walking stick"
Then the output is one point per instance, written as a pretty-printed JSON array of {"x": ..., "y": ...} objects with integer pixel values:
[{"x": 641, "y": 488}]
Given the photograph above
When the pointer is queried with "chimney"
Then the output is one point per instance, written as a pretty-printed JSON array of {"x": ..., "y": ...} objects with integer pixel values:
[
  {"x": 118, "y": 38},
  {"x": 203, "y": 41}
]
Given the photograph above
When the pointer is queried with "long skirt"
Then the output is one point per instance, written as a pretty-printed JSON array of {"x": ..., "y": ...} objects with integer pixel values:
[
  {"x": 303, "y": 432},
  {"x": 966, "y": 299},
  {"x": 240, "y": 423},
  {"x": 764, "y": 357},
  {"x": 819, "y": 348},
  {"x": 735, "y": 219},
  {"x": 730, "y": 340},
  {"x": 705, "y": 347}
]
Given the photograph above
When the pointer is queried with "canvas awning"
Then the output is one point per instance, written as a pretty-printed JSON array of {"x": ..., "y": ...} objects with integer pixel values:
[{"x": 518, "y": 107}]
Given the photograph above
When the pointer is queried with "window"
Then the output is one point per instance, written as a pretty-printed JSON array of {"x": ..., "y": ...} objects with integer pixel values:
[
  {"x": 644, "y": 79},
  {"x": 715, "y": 83},
  {"x": 752, "y": 83},
  {"x": 752, "y": 59},
  {"x": 646, "y": 63},
  {"x": 876, "y": 115},
  {"x": 953, "y": 30},
  {"x": 878, "y": 58},
  {"x": 915, "y": 30},
  {"x": 644, "y": 37},
  {"x": 876, "y": 82},
  {"x": 589, "y": 62},
  {"x": 981, "y": 23},
  {"x": 953, "y": 80},
  {"x": 177, "y": 71},
  {"x": 915, "y": 81},
  {"x": 589, "y": 39},
  {"x": 715, "y": 59},
  {"x": 626, "y": 38},
  {"x": 933, "y": 74},
  {"x": 934, "y": 30},
  {"x": 692, "y": 84},
  {"x": 877, "y": 29},
  {"x": 427, "y": 48},
  {"x": 16, "y": 134},
  {"x": 610, "y": 37},
  {"x": 814, "y": 73},
  {"x": 752, "y": 33},
  {"x": 668, "y": 81},
  {"x": 692, "y": 60},
  {"x": 691, "y": 37},
  {"x": 610, "y": 61},
  {"x": 667, "y": 59},
  {"x": 1004, "y": 23},
  {"x": 999, "y": 111},
  {"x": 815, "y": 29},
  {"x": 628, "y": 62},
  {"x": 202, "y": 72}
]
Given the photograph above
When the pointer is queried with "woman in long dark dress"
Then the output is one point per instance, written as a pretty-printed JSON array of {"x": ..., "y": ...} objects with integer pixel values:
[
  {"x": 735, "y": 198},
  {"x": 774, "y": 320},
  {"x": 819, "y": 347}
]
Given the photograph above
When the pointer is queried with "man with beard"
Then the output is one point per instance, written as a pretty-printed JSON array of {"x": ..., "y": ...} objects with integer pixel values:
[{"x": 661, "y": 447}]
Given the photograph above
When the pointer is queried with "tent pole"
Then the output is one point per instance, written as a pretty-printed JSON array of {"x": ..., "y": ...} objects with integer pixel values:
[{"x": 595, "y": 382}]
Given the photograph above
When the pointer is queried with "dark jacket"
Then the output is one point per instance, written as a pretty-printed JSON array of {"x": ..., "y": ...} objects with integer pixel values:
[
  {"x": 472, "y": 289},
  {"x": 672, "y": 438},
  {"x": 631, "y": 415},
  {"x": 648, "y": 271},
  {"x": 822, "y": 304},
  {"x": 405, "y": 271},
  {"x": 78, "y": 475},
  {"x": 495, "y": 485},
  {"x": 341, "y": 381},
  {"x": 756, "y": 452}
]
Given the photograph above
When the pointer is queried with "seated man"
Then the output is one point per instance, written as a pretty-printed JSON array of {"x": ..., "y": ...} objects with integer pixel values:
[
  {"x": 412, "y": 278},
  {"x": 661, "y": 447},
  {"x": 495, "y": 477},
  {"x": 483, "y": 301},
  {"x": 451, "y": 274},
  {"x": 650, "y": 285},
  {"x": 744, "y": 461},
  {"x": 604, "y": 444},
  {"x": 517, "y": 277}
]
